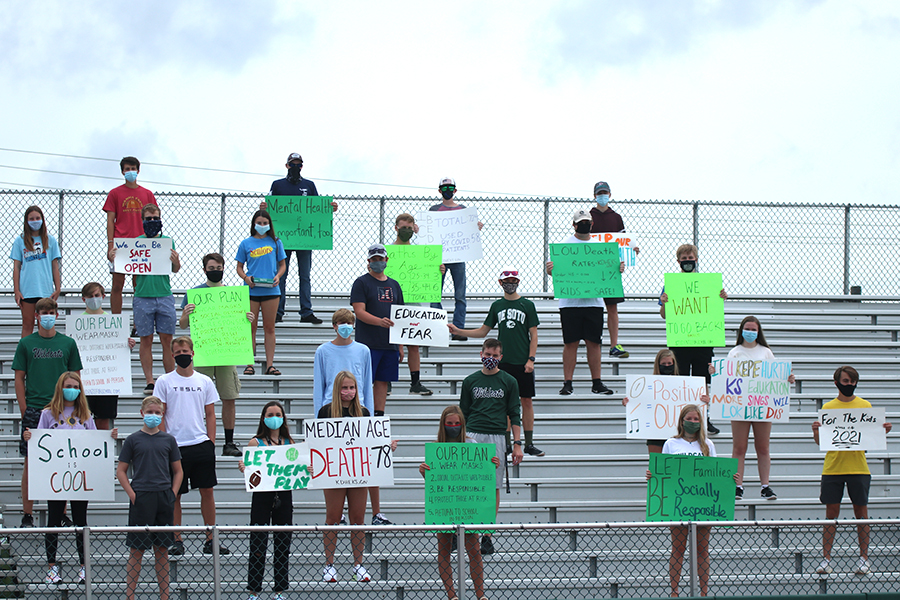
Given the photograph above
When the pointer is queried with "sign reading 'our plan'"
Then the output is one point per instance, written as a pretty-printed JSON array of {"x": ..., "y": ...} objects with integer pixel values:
[{"x": 102, "y": 342}]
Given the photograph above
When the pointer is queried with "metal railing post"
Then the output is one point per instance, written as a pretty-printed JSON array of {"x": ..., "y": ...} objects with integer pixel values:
[
  {"x": 546, "y": 243},
  {"x": 696, "y": 223},
  {"x": 59, "y": 237},
  {"x": 694, "y": 562},
  {"x": 222, "y": 226},
  {"x": 381, "y": 220},
  {"x": 217, "y": 566},
  {"x": 847, "y": 250},
  {"x": 86, "y": 534},
  {"x": 461, "y": 562}
]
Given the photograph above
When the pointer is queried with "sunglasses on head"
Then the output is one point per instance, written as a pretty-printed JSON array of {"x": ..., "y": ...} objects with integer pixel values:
[{"x": 510, "y": 273}]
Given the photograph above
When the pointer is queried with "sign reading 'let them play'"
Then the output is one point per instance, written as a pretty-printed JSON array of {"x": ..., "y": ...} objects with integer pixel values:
[
  {"x": 695, "y": 313},
  {"x": 302, "y": 222},
  {"x": 276, "y": 468}
]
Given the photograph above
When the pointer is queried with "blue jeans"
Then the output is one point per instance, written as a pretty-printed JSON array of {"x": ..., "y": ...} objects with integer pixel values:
[
  {"x": 458, "y": 273},
  {"x": 304, "y": 264}
]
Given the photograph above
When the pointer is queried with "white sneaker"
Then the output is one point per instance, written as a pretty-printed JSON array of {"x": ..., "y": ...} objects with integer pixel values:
[
  {"x": 824, "y": 567},
  {"x": 81, "y": 574},
  {"x": 863, "y": 566},
  {"x": 329, "y": 574},
  {"x": 360, "y": 574},
  {"x": 253, "y": 597},
  {"x": 53, "y": 575}
]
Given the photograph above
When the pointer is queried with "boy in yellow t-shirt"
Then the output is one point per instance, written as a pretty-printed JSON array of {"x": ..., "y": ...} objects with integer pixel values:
[{"x": 845, "y": 467}]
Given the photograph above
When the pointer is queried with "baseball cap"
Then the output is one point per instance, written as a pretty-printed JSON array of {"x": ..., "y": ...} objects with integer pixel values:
[
  {"x": 601, "y": 186},
  {"x": 507, "y": 272},
  {"x": 581, "y": 215},
  {"x": 294, "y": 156},
  {"x": 377, "y": 250},
  {"x": 446, "y": 181}
]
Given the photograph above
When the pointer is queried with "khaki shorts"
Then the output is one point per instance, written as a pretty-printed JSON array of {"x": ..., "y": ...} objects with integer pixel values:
[{"x": 227, "y": 383}]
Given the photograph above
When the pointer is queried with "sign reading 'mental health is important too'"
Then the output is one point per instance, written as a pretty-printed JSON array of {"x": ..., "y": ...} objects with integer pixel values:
[
  {"x": 302, "y": 222},
  {"x": 695, "y": 313}
]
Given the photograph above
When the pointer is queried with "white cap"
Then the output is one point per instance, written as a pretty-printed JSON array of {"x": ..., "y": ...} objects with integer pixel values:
[
  {"x": 581, "y": 215},
  {"x": 447, "y": 181},
  {"x": 508, "y": 272}
]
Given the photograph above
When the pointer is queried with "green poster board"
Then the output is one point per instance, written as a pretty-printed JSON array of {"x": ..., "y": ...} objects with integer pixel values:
[
  {"x": 219, "y": 326},
  {"x": 690, "y": 488},
  {"x": 589, "y": 270},
  {"x": 461, "y": 485},
  {"x": 695, "y": 313},
  {"x": 302, "y": 222},
  {"x": 417, "y": 269}
]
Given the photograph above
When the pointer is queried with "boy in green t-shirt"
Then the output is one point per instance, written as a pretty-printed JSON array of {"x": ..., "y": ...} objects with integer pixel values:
[
  {"x": 845, "y": 467},
  {"x": 516, "y": 320}
]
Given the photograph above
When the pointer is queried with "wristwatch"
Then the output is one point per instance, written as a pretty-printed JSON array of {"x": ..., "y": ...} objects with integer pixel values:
[
  {"x": 517, "y": 443},
  {"x": 531, "y": 358}
]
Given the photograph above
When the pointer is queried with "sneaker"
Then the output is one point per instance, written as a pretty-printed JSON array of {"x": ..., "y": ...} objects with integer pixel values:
[
  {"x": 311, "y": 318},
  {"x": 231, "y": 450},
  {"x": 148, "y": 389},
  {"x": 208, "y": 548},
  {"x": 738, "y": 493},
  {"x": 343, "y": 519},
  {"x": 278, "y": 319},
  {"x": 599, "y": 388},
  {"x": 768, "y": 493},
  {"x": 360, "y": 574},
  {"x": 566, "y": 389},
  {"x": 487, "y": 545},
  {"x": 618, "y": 351},
  {"x": 66, "y": 521},
  {"x": 27, "y": 521},
  {"x": 177, "y": 549},
  {"x": 418, "y": 388},
  {"x": 278, "y": 596},
  {"x": 390, "y": 388},
  {"x": 380, "y": 519},
  {"x": 532, "y": 450},
  {"x": 254, "y": 597},
  {"x": 824, "y": 567},
  {"x": 329, "y": 574},
  {"x": 863, "y": 566},
  {"x": 454, "y": 543},
  {"x": 458, "y": 338},
  {"x": 81, "y": 575},
  {"x": 710, "y": 428},
  {"x": 53, "y": 575}
]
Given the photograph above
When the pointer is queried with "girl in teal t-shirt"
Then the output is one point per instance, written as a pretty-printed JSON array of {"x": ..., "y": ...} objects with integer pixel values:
[{"x": 35, "y": 256}]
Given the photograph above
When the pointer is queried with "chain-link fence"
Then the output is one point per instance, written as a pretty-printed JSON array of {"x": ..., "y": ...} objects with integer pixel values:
[
  {"x": 598, "y": 560},
  {"x": 763, "y": 249}
]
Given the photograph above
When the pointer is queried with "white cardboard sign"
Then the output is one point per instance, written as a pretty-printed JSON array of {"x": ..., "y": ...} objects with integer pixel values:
[
  {"x": 419, "y": 326},
  {"x": 276, "y": 468},
  {"x": 655, "y": 401},
  {"x": 455, "y": 230},
  {"x": 71, "y": 464},
  {"x": 349, "y": 452},
  {"x": 143, "y": 256},
  {"x": 750, "y": 390},
  {"x": 852, "y": 429},
  {"x": 626, "y": 242},
  {"x": 106, "y": 358}
]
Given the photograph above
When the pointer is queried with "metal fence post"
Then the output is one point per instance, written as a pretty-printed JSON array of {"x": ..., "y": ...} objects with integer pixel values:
[
  {"x": 546, "y": 243},
  {"x": 846, "y": 249},
  {"x": 461, "y": 562},
  {"x": 217, "y": 566},
  {"x": 59, "y": 238},
  {"x": 381, "y": 220},
  {"x": 222, "y": 227},
  {"x": 694, "y": 561},
  {"x": 696, "y": 223},
  {"x": 86, "y": 534}
]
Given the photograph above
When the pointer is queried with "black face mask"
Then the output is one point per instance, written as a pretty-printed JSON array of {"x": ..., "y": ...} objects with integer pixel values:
[
  {"x": 215, "y": 276},
  {"x": 152, "y": 228},
  {"x": 294, "y": 172},
  {"x": 447, "y": 194},
  {"x": 688, "y": 266},
  {"x": 184, "y": 360},
  {"x": 846, "y": 389},
  {"x": 453, "y": 432},
  {"x": 583, "y": 227},
  {"x": 405, "y": 233},
  {"x": 666, "y": 369}
]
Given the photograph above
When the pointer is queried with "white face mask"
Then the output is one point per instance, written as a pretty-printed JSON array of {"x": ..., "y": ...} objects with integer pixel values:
[{"x": 93, "y": 303}]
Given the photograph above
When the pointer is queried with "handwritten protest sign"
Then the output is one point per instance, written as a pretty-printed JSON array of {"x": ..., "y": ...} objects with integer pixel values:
[
  {"x": 852, "y": 429},
  {"x": 626, "y": 244},
  {"x": 695, "y": 313},
  {"x": 419, "y": 326},
  {"x": 276, "y": 468},
  {"x": 71, "y": 464},
  {"x": 102, "y": 342},
  {"x": 690, "y": 488},
  {"x": 351, "y": 452},
  {"x": 219, "y": 326},
  {"x": 655, "y": 401},
  {"x": 586, "y": 270},
  {"x": 750, "y": 390},
  {"x": 460, "y": 485},
  {"x": 302, "y": 222},
  {"x": 417, "y": 269},
  {"x": 143, "y": 256},
  {"x": 455, "y": 230}
]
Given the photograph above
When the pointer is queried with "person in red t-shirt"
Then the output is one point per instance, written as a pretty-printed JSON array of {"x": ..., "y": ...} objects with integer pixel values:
[{"x": 123, "y": 220}]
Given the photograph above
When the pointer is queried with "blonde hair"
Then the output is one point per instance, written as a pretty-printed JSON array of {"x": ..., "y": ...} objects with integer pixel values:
[
  {"x": 81, "y": 412},
  {"x": 664, "y": 353},
  {"x": 343, "y": 315},
  {"x": 452, "y": 410},
  {"x": 404, "y": 217},
  {"x": 337, "y": 410},
  {"x": 153, "y": 400},
  {"x": 701, "y": 433},
  {"x": 684, "y": 248}
]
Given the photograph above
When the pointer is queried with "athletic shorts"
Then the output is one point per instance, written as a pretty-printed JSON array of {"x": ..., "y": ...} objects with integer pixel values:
[
  {"x": 585, "y": 323},
  {"x": 198, "y": 462},
  {"x": 499, "y": 440},
  {"x": 385, "y": 365},
  {"x": 151, "y": 509},
  {"x": 154, "y": 314},
  {"x": 30, "y": 420},
  {"x": 262, "y": 299},
  {"x": 525, "y": 380},
  {"x": 227, "y": 383},
  {"x": 608, "y": 301},
  {"x": 104, "y": 407},
  {"x": 832, "y": 489},
  {"x": 30, "y": 300},
  {"x": 659, "y": 443}
]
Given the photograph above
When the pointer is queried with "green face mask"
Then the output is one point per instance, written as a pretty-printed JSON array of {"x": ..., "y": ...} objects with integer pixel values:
[{"x": 691, "y": 427}]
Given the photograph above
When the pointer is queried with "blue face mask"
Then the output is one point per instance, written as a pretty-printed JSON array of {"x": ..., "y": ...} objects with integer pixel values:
[
  {"x": 262, "y": 229},
  {"x": 71, "y": 394},
  {"x": 152, "y": 421},
  {"x": 345, "y": 330},
  {"x": 48, "y": 321},
  {"x": 35, "y": 225},
  {"x": 274, "y": 422},
  {"x": 602, "y": 199},
  {"x": 130, "y": 176},
  {"x": 750, "y": 336}
]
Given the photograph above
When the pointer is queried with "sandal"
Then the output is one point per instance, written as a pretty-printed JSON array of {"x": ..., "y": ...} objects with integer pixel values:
[
  {"x": 249, "y": 370},
  {"x": 272, "y": 370}
]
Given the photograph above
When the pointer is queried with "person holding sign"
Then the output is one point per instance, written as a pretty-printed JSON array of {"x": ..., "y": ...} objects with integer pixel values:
[
  {"x": 605, "y": 220},
  {"x": 845, "y": 468},
  {"x": 516, "y": 320},
  {"x": 691, "y": 360},
  {"x": 342, "y": 354},
  {"x": 453, "y": 430},
  {"x": 153, "y": 304},
  {"x": 263, "y": 253},
  {"x": 35, "y": 255},
  {"x": 582, "y": 319},
  {"x": 68, "y": 410},
  {"x": 270, "y": 508},
  {"x": 227, "y": 382}
]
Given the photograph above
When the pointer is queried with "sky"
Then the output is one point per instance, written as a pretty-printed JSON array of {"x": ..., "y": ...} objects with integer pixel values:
[{"x": 749, "y": 101}]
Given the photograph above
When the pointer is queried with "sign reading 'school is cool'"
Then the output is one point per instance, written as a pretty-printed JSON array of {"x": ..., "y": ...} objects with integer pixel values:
[{"x": 71, "y": 464}]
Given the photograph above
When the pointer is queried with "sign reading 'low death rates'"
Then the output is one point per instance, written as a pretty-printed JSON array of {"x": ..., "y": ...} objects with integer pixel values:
[
  {"x": 419, "y": 326},
  {"x": 655, "y": 401},
  {"x": 71, "y": 464},
  {"x": 460, "y": 485},
  {"x": 695, "y": 313},
  {"x": 589, "y": 270},
  {"x": 219, "y": 326},
  {"x": 690, "y": 488},
  {"x": 102, "y": 342},
  {"x": 852, "y": 429},
  {"x": 351, "y": 452},
  {"x": 302, "y": 222},
  {"x": 455, "y": 230},
  {"x": 143, "y": 256},
  {"x": 276, "y": 468},
  {"x": 750, "y": 390},
  {"x": 417, "y": 269}
]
